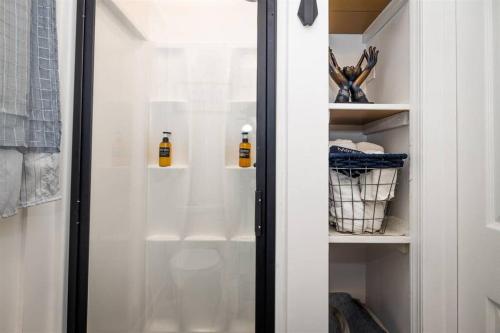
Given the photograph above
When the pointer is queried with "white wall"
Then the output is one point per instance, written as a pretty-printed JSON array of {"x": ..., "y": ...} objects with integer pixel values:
[
  {"x": 33, "y": 243},
  {"x": 389, "y": 81}
]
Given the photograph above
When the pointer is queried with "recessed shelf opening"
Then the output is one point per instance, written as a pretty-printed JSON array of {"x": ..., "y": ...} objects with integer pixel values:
[{"x": 375, "y": 268}]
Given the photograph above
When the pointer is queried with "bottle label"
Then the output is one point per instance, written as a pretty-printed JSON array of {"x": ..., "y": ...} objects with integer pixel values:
[
  {"x": 164, "y": 151},
  {"x": 244, "y": 153}
]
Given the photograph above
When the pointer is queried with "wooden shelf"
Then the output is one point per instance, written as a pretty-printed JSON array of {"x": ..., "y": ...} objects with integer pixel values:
[
  {"x": 354, "y": 16},
  {"x": 362, "y": 114},
  {"x": 366, "y": 17},
  {"x": 390, "y": 237}
]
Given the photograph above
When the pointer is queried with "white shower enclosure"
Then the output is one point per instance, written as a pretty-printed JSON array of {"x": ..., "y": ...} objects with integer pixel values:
[{"x": 172, "y": 249}]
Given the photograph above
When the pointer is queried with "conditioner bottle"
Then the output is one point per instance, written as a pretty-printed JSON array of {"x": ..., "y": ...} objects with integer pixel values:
[{"x": 165, "y": 159}]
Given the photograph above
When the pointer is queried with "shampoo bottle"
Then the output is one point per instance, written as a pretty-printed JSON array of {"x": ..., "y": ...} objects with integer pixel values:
[
  {"x": 165, "y": 159},
  {"x": 245, "y": 151}
]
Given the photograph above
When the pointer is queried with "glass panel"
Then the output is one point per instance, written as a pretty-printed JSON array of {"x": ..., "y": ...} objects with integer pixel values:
[
  {"x": 172, "y": 249},
  {"x": 496, "y": 102}
]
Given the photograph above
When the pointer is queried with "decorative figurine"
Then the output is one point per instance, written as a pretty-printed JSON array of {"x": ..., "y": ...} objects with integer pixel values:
[{"x": 350, "y": 78}]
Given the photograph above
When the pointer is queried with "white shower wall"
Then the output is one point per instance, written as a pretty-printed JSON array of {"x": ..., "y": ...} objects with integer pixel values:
[{"x": 173, "y": 249}]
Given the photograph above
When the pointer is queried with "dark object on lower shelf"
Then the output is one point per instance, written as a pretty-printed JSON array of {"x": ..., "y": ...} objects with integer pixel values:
[{"x": 348, "y": 315}]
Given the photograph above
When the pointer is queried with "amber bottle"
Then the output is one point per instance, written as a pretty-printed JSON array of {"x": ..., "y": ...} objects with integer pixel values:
[
  {"x": 165, "y": 158},
  {"x": 245, "y": 151}
]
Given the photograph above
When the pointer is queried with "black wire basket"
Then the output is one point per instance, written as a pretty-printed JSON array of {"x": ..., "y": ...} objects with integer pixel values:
[{"x": 361, "y": 187}]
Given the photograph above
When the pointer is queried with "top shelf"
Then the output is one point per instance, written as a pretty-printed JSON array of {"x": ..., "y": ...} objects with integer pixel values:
[
  {"x": 366, "y": 17},
  {"x": 362, "y": 114},
  {"x": 354, "y": 16}
]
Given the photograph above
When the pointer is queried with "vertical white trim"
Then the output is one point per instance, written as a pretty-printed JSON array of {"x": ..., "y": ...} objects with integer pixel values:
[
  {"x": 488, "y": 72},
  {"x": 438, "y": 208},
  {"x": 302, "y": 201},
  {"x": 416, "y": 165},
  {"x": 281, "y": 167}
]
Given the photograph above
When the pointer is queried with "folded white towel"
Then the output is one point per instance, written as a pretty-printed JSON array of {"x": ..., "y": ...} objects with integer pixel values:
[
  {"x": 374, "y": 215},
  {"x": 368, "y": 147},
  {"x": 343, "y": 143},
  {"x": 377, "y": 184},
  {"x": 346, "y": 207}
]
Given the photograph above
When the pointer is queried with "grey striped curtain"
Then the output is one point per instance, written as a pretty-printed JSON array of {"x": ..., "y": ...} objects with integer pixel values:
[{"x": 30, "y": 123}]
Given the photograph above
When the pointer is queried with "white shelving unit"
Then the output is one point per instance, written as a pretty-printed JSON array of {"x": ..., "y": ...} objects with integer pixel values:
[{"x": 362, "y": 264}]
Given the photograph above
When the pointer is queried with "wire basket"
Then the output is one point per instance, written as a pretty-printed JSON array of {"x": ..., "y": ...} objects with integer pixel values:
[{"x": 361, "y": 187}]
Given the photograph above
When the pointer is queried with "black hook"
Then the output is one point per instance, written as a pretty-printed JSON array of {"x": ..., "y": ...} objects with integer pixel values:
[{"x": 308, "y": 11}]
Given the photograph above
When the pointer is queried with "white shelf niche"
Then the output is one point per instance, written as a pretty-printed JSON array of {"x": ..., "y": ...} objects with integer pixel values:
[
  {"x": 173, "y": 116},
  {"x": 368, "y": 118}
]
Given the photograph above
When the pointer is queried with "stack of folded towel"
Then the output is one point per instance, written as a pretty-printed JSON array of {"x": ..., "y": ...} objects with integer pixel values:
[
  {"x": 347, "y": 208},
  {"x": 358, "y": 204}
]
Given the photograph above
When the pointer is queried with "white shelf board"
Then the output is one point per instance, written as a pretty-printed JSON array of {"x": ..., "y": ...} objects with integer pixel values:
[
  {"x": 361, "y": 114},
  {"x": 242, "y": 101},
  {"x": 168, "y": 101},
  {"x": 390, "y": 237},
  {"x": 163, "y": 238},
  {"x": 244, "y": 239},
  {"x": 199, "y": 238},
  {"x": 204, "y": 238},
  {"x": 172, "y": 167},
  {"x": 236, "y": 167}
]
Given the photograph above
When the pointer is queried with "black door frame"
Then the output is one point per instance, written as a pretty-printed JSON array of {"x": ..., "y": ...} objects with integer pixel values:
[{"x": 81, "y": 168}]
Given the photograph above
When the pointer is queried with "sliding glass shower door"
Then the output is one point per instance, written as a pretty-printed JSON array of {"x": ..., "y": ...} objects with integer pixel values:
[{"x": 174, "y": 163}]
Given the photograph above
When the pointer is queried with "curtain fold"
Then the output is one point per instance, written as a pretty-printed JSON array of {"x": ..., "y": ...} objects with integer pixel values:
[{"x": 30, "y": 121}]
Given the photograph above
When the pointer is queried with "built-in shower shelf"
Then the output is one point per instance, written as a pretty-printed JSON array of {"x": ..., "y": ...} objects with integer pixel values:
[
  {"x": 244, "y": 238},
  {"x": 169, "y": 168},
  {"x": 203, "y": 238},
  {"x": 200, "y": 238},
  {"x": 173, "y": 101},
  {"x": 243, "y": 101},
  {"x": 235, "y": 167},
  {"x": 163, "y": 238}
]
